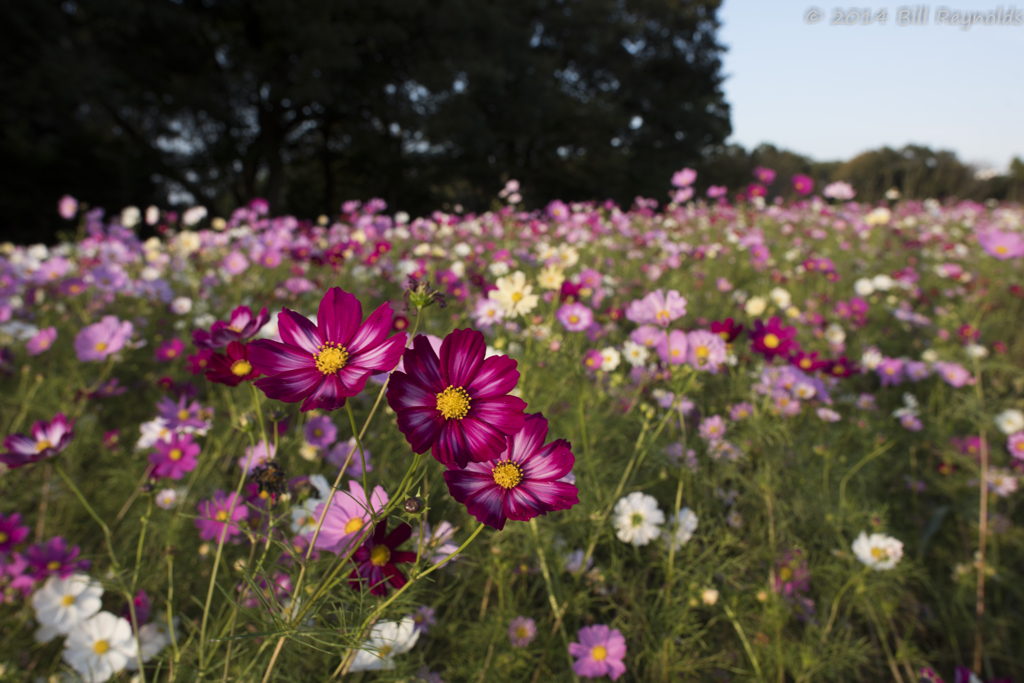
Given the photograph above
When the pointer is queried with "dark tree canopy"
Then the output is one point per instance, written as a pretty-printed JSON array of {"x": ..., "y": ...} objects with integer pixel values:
[{"x": 420, "y": 102}]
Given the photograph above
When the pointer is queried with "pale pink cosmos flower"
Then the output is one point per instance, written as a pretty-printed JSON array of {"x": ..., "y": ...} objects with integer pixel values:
[{"x": 658, "y": 308}]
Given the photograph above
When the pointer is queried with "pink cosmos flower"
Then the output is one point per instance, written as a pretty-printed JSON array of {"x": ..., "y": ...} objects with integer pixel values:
[
  {"x": 716, "y": 191},
  {"x": 321, "y": 431},
  {"x": 1015, "y": 444},
  {"x": 890, "y": 371},
  {"x": 522, "y": 483},
  {"x": 657, "y": 308},
  {"x": 954, "y": 374},
  {"x": 740, "y": 411},
  {"x": 706, "y": 350},
  {"x": 99, "y": 340},
  {"x": 457, "y": 405},
  {"x": 323, "y": 364},
  {"x": 67, "y": 207},
  {"x": 684, "y": 177},
  {"x": 346, "y": 517},
  {"x": 257, "y": 456},
  {"x": 599, "y": 653},
  {"x": 593, "y": 359},
  {"x": 219, "y": 516},
  {"x": 764, "y": 175},
  {"x": 1001, "y": 245},
  {"x": 672, "y": 348},
  {"x": 173, "y": 459},
  {"x": 235, "y": 263},
  {"x": 42, "y": 341},
  {"x": 48, "y": 439},
  {"x": 436, "y": 542},
  {"x": 712, "y": 429},
  {"x": 169, "y": 350},
  {"x": 648, "y": 336},
  {"x": 575, "y": 317},
  {"x": 242, "y": 327},
  {"x": 522, "y": 631}
]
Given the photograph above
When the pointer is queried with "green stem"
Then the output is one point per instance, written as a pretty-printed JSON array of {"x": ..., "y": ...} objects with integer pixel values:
[
  {"x": 853, "y": 470},
  {"x": 746, "y": 643}
]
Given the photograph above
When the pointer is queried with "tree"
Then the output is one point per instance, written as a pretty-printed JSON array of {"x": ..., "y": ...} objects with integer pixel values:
[{"x": 417, "y": 101}]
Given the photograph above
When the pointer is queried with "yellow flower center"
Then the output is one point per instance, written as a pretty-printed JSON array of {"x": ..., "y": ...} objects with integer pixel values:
[
  {"x": 175, "y": 454},
  {"x": 3, "y": 537},
  {"x": 183, "y": 414},
  {"x": 354, "y": 525},
  {"x": 1001, "y": 249},
  {"x": 517, "y": 297},
  {"x": 837, "y": 370},
  {"x": 221, "y": 516},
  {"x": 805, "y": 363},
  {"x": 522, "y": 633},
  {"x": 332, "y": 357},
  {"x": 574, "y": 319},
  {"x": 507, "y": 474},
  {"x": 878, "y": 553},
  {"x": 599, "y": 653},
  {"x": 385, "y": 651},
  {"x": 53, "y": 566},
  {"x": 100, "y": 647},
  {"x": 100, "y": 346},
  {"x": 637, "y": 519},
  {"x": 785, "y": 573},
  {"x": 702, "y": 354},
  {"x": 67, "y": 600},
  {"x": 771, "y": 341},
  {"x": 662, "y": 316},
  {"x": 43, "y": 445},
  {"x": 318, "y": 433},
  {"x": 380, "y": 555},
  {"x": 241, "y": 368},
  {"x": 453, "y": 403},
  {"x": 724, "y": 336}
]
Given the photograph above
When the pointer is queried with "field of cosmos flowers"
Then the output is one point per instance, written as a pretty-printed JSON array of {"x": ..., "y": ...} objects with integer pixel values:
[{"x": 726, "y": 437}]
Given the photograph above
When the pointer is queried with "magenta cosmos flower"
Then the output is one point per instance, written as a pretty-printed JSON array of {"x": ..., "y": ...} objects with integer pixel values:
[
  {"x": 457, "y": 405},
  {"x": 99, "y": 340},
  {"x": 657, "y": 307},
  {"x": 54, "y": 558},
  {"x": 230, "y": 368},
  {"x": 219, "y": 515},
  {"x": 12, "y": 532},
  {"x": 524, "y": 482},
  {"x": 772, "y": 339},
  {"x": 48, "y": 439},
  {"x": 173, "y": 459},
  {"x": 375, "y": 560},
  {"x": 243, "y": 326},
  {"x": 323, "y": 364},
  {"x": 599, "y": 653},
  {"x": 803, "y": 184}
]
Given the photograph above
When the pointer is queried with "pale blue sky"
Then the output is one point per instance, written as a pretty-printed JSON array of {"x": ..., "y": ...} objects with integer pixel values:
[{"x": 831, "y": 92}]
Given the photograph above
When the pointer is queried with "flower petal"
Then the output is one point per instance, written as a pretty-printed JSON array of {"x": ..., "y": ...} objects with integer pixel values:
[
  {"x": 554, "y": 461},
  {"x": 373, "y": 331},
  {"x": 462, "y": 355},
  {"x": 382, "y": 357},
  {"x": 338, "y": 316},
  {"x": 291, "y": 387},
  {"x": 421, "y": 427},
  {"x": 504, "y": 414},
  {"x": 297, "y": 330},
  {"x": 497, "y": 376},
  {"x": 274, "y": 358}
]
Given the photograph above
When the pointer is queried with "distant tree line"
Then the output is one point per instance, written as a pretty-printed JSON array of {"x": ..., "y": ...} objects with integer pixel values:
[{"x": 425, "y": 103}]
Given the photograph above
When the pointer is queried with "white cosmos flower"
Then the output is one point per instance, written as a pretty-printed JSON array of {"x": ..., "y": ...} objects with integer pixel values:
[
  {"x": 863, "y": 287},
  {"x": 64, "y": 603},
  {"x": 878, "y": 551},
  {"x": 685, "y": 525},
  {"x": 637, "y": 518},
  {"x": 755, "y": 305},
  {"x": 871, "y": 358},
  {"x": 780, "y": 297},
  {"x": 883, "y": 283},
  {"x": 100, "y": 647},
  {"x": 1010, "y": 421},
  {"x": 834, "y": 334},
  {"x": 155, "y": 636},
  {"x": 610, "y": 358},
  {"x": 498, "y": 268},
  {"x": 386, "y": 640},
  {"x": 636, "y": 354},
  {"x": 514, "y": 294}
]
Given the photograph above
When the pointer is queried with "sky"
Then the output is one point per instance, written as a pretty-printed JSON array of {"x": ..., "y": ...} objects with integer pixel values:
[{"x": 833, "y": 91}]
